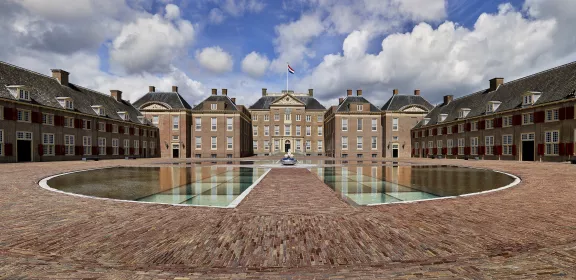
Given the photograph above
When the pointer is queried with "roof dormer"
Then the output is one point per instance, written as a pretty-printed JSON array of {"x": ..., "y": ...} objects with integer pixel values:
[
  {"x": 442, "y": 117},
  {"x": 492, "y": 106},
  {"x": 124, "y": 115},
  {"x": 66, "y": 102},
  {"x": 530, "y": 97},
  {"x": 425, "y": 121},
  {"x": 99, "y": 110},
  {"x": 141, "y": 119},
  {"x": 19, "y": 92},
  {"x": 462, "y": 113}
]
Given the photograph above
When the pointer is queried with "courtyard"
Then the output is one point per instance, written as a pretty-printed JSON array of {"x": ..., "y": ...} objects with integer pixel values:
[{"x": 290, "y": 226}]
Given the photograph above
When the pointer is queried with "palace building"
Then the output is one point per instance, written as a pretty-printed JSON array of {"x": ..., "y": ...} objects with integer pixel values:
[
  {"x": 47, "y": 118},
  {"x": 288, "y": 121},
  {"x": 528, "y": 119}
]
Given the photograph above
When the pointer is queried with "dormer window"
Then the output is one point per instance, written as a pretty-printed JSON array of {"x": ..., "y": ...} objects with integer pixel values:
[
  {"x": 442, "y": 117},
  {"x": 426, "y": 121},
  {"x": 463, "y": 113},
  {"x": 99, "y": 110},
  {"x": 141, "y": 119},
  {"x": 530, "y": 97},
  {"x": 66, "y": 102},
  {"x": 19, "y": 92},
  {"x": 492, "y": 106},
  {"x": 123, "y": 115},
  {"x": 213, "y": 107},
  {"x": 360, "y": 107}
]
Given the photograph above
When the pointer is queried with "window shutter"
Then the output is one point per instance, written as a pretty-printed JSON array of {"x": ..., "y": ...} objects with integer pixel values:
[
  {"x": 569, "y": 113},
  {"x": 539, "y": 117},
  {"x": 466, "y": 150},
  {"x": 467, "y": 127},
  {"x": 498, "y": 122},
  {"x": 562, "y": 113},
  {"x": 561, "y": 149},
  {"x": 8, "y": 114},
  {"x": 108, "y": 150},
  {"x": 513, "y": 150},
  {"x": 454, "y": 150},
  {"x": 498, "y": 150},
  {"x": 481, "y": 150},
  {"x": 444, "y": 130},
  {"x": 8, "y": 149},
  {"x": 77, "y": 123},
  {"x": 131, "y": 130},
  {"x": 121, "y": 130},
  {"x": 108, "y": 127},
  {"x": 57, "y": 147},
  {"x": 569, "y": 149},
  {"x": 36, "y": 117},
  {"x": 540, "y": 149},
  {"x": 481, "y": 125},
  {"x": 517, "y": 120},
  {"x": 444, "y": 151},
  {"x": 131, "y": 151},
  {"x": 121, "y": 151},
  {"x": 89, "y": 124},
  {"x": 140, "y": 151},
  {"x": 454, "y": 129},
  {"x": 78, "y": 150},
  {"x": 94, "y": 150},
  {"x": 40, "y": 149}
]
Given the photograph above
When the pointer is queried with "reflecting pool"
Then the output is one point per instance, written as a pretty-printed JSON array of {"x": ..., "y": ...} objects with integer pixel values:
[
  {"x": 193, "y": 185},
  {"x": 363, "y": 185}
]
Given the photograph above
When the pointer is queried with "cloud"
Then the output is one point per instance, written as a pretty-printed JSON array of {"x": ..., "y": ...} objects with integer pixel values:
[
  {"x": 151, "y": 44},
  {"x": 172, "y": 12},
  {"x": 239, "y": 7},
  {"x": 255, "y": 64},
  {"x": 215, "y": 59},
  {"x": 216, "y": 16}
]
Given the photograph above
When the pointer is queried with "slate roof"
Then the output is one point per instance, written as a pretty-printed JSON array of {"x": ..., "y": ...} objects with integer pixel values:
[
  {"x": 230, "y": 106},
  {"x": 310, "y": 103},
  {"x": 398, "y": 102},
  {"x": 44, "y": 90},
  {"x": 172, "y": 99},
  {"x": 555, "y": 84},
  {"x": 345, "y": 106}
]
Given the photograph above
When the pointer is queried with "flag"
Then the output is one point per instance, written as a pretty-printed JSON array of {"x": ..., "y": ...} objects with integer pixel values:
[{"x": 290, "y": 69}]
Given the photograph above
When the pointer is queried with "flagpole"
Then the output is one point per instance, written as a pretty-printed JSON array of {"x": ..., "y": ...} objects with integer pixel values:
[{"x": 287, "y": 65}]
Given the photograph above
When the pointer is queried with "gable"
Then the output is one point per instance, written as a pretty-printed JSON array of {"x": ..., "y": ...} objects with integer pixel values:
[
  {"x": 154, "y": 106},
  {"x": 413, "y": 109},
  {"x": 287, "y": 100}
]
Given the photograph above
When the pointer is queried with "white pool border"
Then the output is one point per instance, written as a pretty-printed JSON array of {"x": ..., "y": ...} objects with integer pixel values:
[{"x": 44, "y": 184}]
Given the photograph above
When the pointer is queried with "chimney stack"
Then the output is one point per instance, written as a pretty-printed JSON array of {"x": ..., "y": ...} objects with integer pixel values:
[
  {"x": 416, "y": 92},
  {"x": 358, "y": 92},
  {"x": 340, "y": 100},
  {"x": 116, "y": 94},
  {"x": 224, "y": 91},
  {"x": 61, "y": 76},
  {"x": 263, "y": 92},
  {"x": 310, "y": 92},
  {"x": 495, "y": 82},
  {"x": 395, "y": 91},
  {"x": 349, "y": 92},
  {"x": 447, "y": 99},
  {"x": 151, "y": 88},
  {"x": 214, "y": 91},
  {"x": 233, "y": 100},
  {"x": 174, "y": 89}
]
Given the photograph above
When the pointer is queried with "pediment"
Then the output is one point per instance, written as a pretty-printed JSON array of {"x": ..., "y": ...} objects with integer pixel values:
[
  {"x": 287, "y": 100},
  {"x": 154, "y": 106},
  {"x": 413, "y": 109}
]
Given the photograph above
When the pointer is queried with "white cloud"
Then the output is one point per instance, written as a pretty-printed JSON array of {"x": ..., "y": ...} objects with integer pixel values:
[
  {"x": 216, "y": 16},
  {"x": 215, "y": 59},
  {"x": 255, "y": 64},
  {"x": 172, "y": 11},
  {"x": 239, "y": 7}
]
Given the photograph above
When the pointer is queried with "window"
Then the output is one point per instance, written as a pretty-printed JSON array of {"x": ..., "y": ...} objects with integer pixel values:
[
  {"x": 126, "y": 147},
  {"x": 152, "y": 148},
  {"x": 448, "y": 130},
  {"x": 255, "y": 117},
  {"x": 319, "y": 144},
  {"x": 276, "y": 130},
  {"x": 48, "y": 144},
  {"x": 394, "y": 138},
  {"x": 308, "y": 145},
  {"x": 123, "y": 115},
  {"x": 374, "y": 124},
  {"x": 439, "y": 131},
  {"x": 298, "y": 117},
  {"x": 344, "y": 124},
  {"x": 474, "y": 126},
  {"x": 417, "y": 152},
  {"x": 344, "y": 143},
  {"x": 155, "y": 120},
  {"x": 175, "y": 122},
  {"x": 136, "y": 131},
  {"x": 198, "y": 124},
  {"x": 229, "y": 122},
  {"x": 430, "y": 132},
  {"x": 298, "y": 130},
  {"x": 101, "y": 146},
  {"x": 489, "y": 142},
  {"x": 213, "y": 142},
  {"x": 430, "y": 145},
  {"x": 395, "y": 124},
  {"x": 359, "y": 142},
  {"x": 198, "y": 142},
  {"x": 461, "y": 144},
  {"x": 175, "y": 138},
  {"x": 552, "y": 115},
  {"x": 255, "y": 130},
  {"x": 24, "y": 94},
  {"x": 473, "y": 145},
  {"x": 551, "y": 139},
  {"x": 47, "y": 119},
  {"x": 287, "y": 116},
  {"x": 298, "y": 145},
  {"x": 506, "y": 121},
  {"x": 308, "y": 118},
  {"x": 528, "y": 118},
  {"x": 276, "y": 145},
  {"x": 490, "y": 124},
  {"x": 527, "y": 136},
  {"x": 359, "y": 124},
  {"x": 375, "y": 143},
  {"x": 439, "y": 147},
  {"x": 229, "y": 143},
  {"x": 213, "y": 106},
  {"x": 449, "y": 144},
  {"x": 1, "y": 142},
  {"x": 308, "y": 130},
  {"x": 276, "y": 117},
  {"x": 460, "y": 128},
  {"x": 116, "y": 146},
  {"x": 319, "y": 118},
  {"x": 23, "y": 115},
  {"x": 266, "y": 130},
  {"x": 507, "y": 144},
  {"x": 69, "y": 145},
  {"x": 287, "y": 130},
  {"x": 1, "y": 112},
  {"x": 255, "y": 145},
  {"x": 527, "y": 100},
  {"x": 136, "y": 147},
  {"x": 101, "y": 126},
  {"x": 359, "y": 107},
  {"x": 87, "y": 145},
  {"x": 463, "y": 113},
  {"x": 266, "y": 117},
  {"x": 320, "y": 131},
  {"x": 266, "y": 144},
  {"x": 213, "y": 124},
  {"x": 126, "y": 130}
]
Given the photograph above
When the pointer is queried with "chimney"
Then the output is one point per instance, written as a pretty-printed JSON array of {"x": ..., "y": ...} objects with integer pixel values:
[
  {"x": 224, "y": 91},
  {"x": 416, "y": 92},
  {"x": 358, "y": 92},
  {"x": 395, "y": 91},
  {"x": 233, "y": 100},
  {"x": 214, "y": 91},
  {"x": 263, "y": 92},
  {"x": 349, "y": 92},
  {"x": 447, "y": 99},
  {"x": 151, "y": 88},
  {"x": 495, "y": 82},
  {"x": 340, "y": 100},
  {"x": 310, "y": 92},
  {"x": 61, "y": 76},
  {"x": 116, "y": 94},
  {"x": 174, "y": 89}
]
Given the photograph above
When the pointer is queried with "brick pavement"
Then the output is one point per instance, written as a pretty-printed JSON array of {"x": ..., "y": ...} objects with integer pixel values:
[{"x": 304, "y": 232}]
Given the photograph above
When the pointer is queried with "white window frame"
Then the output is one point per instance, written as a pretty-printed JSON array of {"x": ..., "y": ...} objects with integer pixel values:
[
  {"x": 229, "y": 124},
  {"x": 359, "y": 142},
  {"x": 395, "y": 124},
  {"x": 213, "y": 143},
  {"x": 461, "y": 145},
  {"x": 374, "y": 142},
  {"x": 23, "y": 94},
  {"x": 198, "y": 124},
  {"x": 438, "y": 147},
  {"x": 23, "y": 115},
  {"x": 320, "y": 130},
  {"x": 287, "y": 116},
  {"x": 319, "y": 145},
  {"x": 319, "y": 118},
  {"x": 126, "y": 147},
  {"x": 266, "y": 117},
  {"x": 551, "y": 142},
  {"x": 474, "y": 126},
  {"x": 359, "y": 124},
  {"x": 87, "y": 145},
  {"x": 175, "y": 122},
  {"x": 48, "y": 144},
  {"x": 287, "y": 130},
  {"x": 449, "y": 146},
  {"x": 308, "y": 145},
  {"x": 308, "y": 130},
  {"x": 298, "y": 117},
  {"x": 527, "y": 118},
  {"x": 276, "y": 130},
  {"x": 439, "y": 131},
  {"x": 507, "y": 142},
  {"x": 155, "y": 120},
  {"x": 506, "y": 121},
  {"x": 255, "y": 144},
  {"x": 344, "y": 124},
  {"x": 115, "y": 146},
  {"x": 229, "y": 143},
  {"x": 266, "y": 130},
  {"x": 114, "y": 128},
  {"x": 101, "y": 146},
  {"x": 213, "y": 106},
  {"x": 344, "y": 142},
  {"x": 374, "y": 124},
  {"x": 552, "y": 115},
  {"x": 298, "y": 145},
  {"x": 360, "y": 107},
  {"x": 276, "y": 116},
  {"x": 298, "y": 130},
  {"x": 266, "y": 145},
  {"x": 460, "y": 127},
  {"x": 102, "y": 127},
  {"x": 489, "y": 145},
  {"x": 213, "y": 124},
  {"x": 136, "y": 147},
  {"x": 255, "y": 130},
  {"x": 308, "y": 118},
  {"x": 489, "y": 124},
  {"x": 198, "y": 144},
  {"x": 48, "y": 119}
]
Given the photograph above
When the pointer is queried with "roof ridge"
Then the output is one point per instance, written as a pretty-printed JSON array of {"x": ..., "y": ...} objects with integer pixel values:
[{"x": 389, "y": 102}]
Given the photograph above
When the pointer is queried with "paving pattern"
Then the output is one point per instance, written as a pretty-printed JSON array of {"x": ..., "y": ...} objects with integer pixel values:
[{"x": 291, "y": 226}]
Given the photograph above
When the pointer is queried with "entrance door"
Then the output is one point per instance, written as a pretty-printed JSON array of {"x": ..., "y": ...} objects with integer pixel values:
[
  {"x": 175, "y": 150},
  {"x": 395, "y": 150},
  {"x": 24, "y": 150},
  {"x": 287, "y": 146},
  {"x": 527, "y": 150}
]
